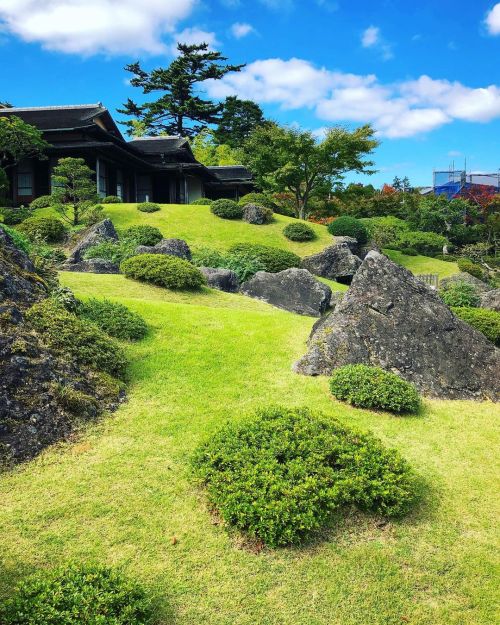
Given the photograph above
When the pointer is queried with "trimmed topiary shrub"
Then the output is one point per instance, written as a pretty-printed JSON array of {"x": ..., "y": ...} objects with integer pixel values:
[
  {"x": 245, "y": 268},
  {"x": 426, "y": 243},
  {"x": 115, "y": 251},
  {"x": 460, "y": 293},
  {"x": 484, "y": 320},
  {"x": 114, "y": 319},
  {"x": 94, "y": 595},
  {"x": 346, "y": 226},
  {"x": 76, "y": 338},
  {"x": 14, "y": 216},
  {"x": 48, "y": 229},
  {"x": 298, "y": 231},
  {"x": 162, "y": 270},
  {"x": 142, "y": 235},
  {"x": 465, "y": 264},
  {"x": 148, "y": 207},
  {"x": 226, "y": 209},
  {"x": 281, "y": 474},
  {"x": 44, "y": 201},
  {"x": 111, "y": 199},
  {"x": 364, "y": 386},
  {"x": 202, "y": 201},
  {"x": 257, "y": 198},
  {"x": 273, "y": 259}
]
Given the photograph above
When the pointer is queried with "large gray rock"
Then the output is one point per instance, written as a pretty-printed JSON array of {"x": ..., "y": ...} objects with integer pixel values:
[
  {"x": 479, "y": 285},
  {"x": 221, "y": 279},
  {"x": 171, "y": 247},
  {"x": 92, "y": 265},
  {"x": 98, "y": 233},
  {"x": 295, "y": 290},
  {"x": 491, "y": 300},
  {"x": 336, "y": 262},
  {"x": 257, "y": 214},
  {"x": 390, "y": 319}
]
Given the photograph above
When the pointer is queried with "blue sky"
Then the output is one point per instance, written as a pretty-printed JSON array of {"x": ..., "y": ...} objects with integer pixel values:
[{"x": 426, "y": 73}]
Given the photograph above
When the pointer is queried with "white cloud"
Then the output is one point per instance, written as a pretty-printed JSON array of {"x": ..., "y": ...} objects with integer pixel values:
[
  {"x": 94, "y": 26},
  {"x": 403, "y": 109},
  {"x": 192, "y": 36},
  {"x": 454, "y": 153},
  {"x": 493, "y": 20},
  {"x": 370, "y": 37},
  {"x": 241, "y": 29}
]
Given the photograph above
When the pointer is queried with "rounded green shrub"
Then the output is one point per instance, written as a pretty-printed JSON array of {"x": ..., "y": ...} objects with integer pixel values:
[
  {"x": 426, "y": 243},
  {"x": 448, "y": 258},
  {"x": 142, "y": 235},
  {"x": 202, "y": 201},
  {"x": 409, "y": 251},
  {"x": 384, "y": 231},
  {"x": 114, "y": 319},
  {"x": 111, "y": 199},
  {"x": 44, "y": 201},
  {"x": 163, "y": 270},
  {"x": 148, "y": 207},
  {"x": 93, "y": 215},
  {"x": 14, "y": 216},
  {"x": 298, "y": 231},
  {"x": 273, "y": 259},
  {"x": 484, "y": 320},
  {"x": 365, "y": 386},
  {"x": 48, "y": 229},
  {"x": 346, "y": 226},
  {"x": 257, "y": 198},
  {"x": 281, "y": 474},
  {"x": 460, "y": 293},
  {"x": 466, "y": 265},
  {"x": 65, "y": 333},
  {"x": 226, "y": 209},
  {"x": 77, "y": 595}
]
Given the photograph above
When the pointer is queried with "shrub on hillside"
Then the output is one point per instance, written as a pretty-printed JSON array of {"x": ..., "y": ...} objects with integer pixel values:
[
  {"x": 349, "y": 227},
  {"x": 94, "y": 595},
  {"x": 245, "y": 268},
  {"x": 281, "y": 475},
  {"x": 384, "y": 231},
  {"x": 114, "y": 319},
  {"x": 76, "y": 338},
  {"x": 115, "y": 251},
  {"x": 426, "y": 243},
  {"x": 163, "y": 270},
  {"x": 111, "y": 199},
  {"x": 272, "y": 258},
  {"x": 364, "y": 386},
  {"x": 19, "y": 239},
  {"x": 449, "y": 258},
  {"x": 464, "y": 264},
  {"x": 148, "y": 207},
  {"x": 202, "y": 201},
  {"x": 226, "y": 209},
  {"x": 48, "y": 229},
  {"x": 409, "y": 251},
  {"x": 257, "y": 198},
  {"x": 44, "y": 201},
  {"x": 460, "y": 293},
  {"x": 14, "y": 216},
  {"x": 298, "y": 231},
  {"x": 142, "y": 235},
  {"x": 484, "y": 320},
  {"x": 93, "y": 215}
]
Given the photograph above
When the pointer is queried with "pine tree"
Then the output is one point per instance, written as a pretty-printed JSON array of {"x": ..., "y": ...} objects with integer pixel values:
[{"x": 238, "y": 119}]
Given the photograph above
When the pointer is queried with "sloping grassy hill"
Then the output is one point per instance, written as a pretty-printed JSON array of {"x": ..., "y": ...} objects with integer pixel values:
[{"x": 121, "y": 492}]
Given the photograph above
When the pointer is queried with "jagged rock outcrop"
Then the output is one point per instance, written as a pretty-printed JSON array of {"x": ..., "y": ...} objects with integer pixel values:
[
  {"x": 296, "y": 290},
  {"x": 491, "y": 300},
  {"x": 257, "y": 214},
  {"x": 221, "y": 279},
  {"x": 336, "y": 262},
  {"x": 479, "y": 285},
  {"x": 390, "y": 319},
  {"x": 172, "y": 247},
  {"x": 98, "y": 233},
  {"x": 92, "y": 265}
]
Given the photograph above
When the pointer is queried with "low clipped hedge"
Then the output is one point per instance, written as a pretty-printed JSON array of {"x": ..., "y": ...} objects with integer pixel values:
[
  {"x": 426, "y": 243},
  {"x": 364, "y": 386},
  {"x": 111, "y": 199},
  {"x": 466, "y": 265},
  {"x": 148, "y": 207},
  {"x": 299, "y": 232},
  {"x": 349, "y": 227},
  {"x": 273, "y": 259},
  {"x": 202, "y": 201},
  {"x": 460, "y": 293},
  {"x": 163, "y": 270},
  {"x": 409, "y": 251},
  {"x": 48, "y": 229},
  {"x": 485, "y": 320},
  {"x": 227, "y": 209},
  {"x": 142, "y": 235},
  {"x": 281, "y": 474},
  {"x": 65, "y": 333},
  {"x": 76, "y": 595},
  {"x": 114, "y": 319}
]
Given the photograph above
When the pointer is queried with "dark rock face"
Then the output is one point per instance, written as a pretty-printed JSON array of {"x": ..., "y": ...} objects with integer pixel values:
[
  {"x": 172, "y": 247},
  {"x": 256, "y": 214},
  {"x": 98, "y": 233},
  {"x": 336, "y": 262},
  {"x": 491, "y": 300},
  {"x": 295, "y": 290},
  {"x": 479, "y": 285},
  {"x": 92, "y": 265},
  {"x": 221, "y": 279},
  {"x": 390, "y": 319}
]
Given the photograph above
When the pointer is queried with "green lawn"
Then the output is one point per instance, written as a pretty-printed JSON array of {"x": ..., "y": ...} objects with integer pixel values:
[
  {"x": 423, "y": 264},
  {"x": 121, "y": 491}
]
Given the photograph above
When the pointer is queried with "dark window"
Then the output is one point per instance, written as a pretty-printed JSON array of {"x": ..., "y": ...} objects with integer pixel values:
[{"x": 25, "y": 179}]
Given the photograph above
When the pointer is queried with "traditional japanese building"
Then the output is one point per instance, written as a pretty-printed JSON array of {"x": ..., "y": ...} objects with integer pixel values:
[{"x": 158, "y": 169}]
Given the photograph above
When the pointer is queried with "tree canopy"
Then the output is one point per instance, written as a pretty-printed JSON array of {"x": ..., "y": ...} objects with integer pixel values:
[
  {"x": 238, "y": 119},
  {"x": 207, "y": 152},
  {"x": 19, "y": 140}
]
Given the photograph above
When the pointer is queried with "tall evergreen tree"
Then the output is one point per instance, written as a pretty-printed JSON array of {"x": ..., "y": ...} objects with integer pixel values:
[
  {"x": 180, "y": 110},
  {"x": 238, "y": 119}
]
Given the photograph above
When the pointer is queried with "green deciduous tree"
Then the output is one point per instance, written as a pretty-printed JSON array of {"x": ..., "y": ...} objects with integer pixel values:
[
  {"x": 179, "y": 110},
  {"x": 289, "y": 159},
  {"x": 19, "y": 140},
  {"x": 209, "y": 153},
  {"x": 74, "y": 190},
  {"x": 436, "y": 213},
  {"x": 238, "y": 119}
]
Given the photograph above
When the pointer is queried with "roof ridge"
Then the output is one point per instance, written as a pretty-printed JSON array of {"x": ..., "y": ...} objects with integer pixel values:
[
  {"x": 157, "y": 137},
  {"x": 55, "y": 107}
]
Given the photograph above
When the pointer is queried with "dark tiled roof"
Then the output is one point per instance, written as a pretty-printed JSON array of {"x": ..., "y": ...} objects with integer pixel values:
[
  {"x": 58, "y": 117},
  {"x": 227, "y": 173},
  {"x": 159, "y": 145}
]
